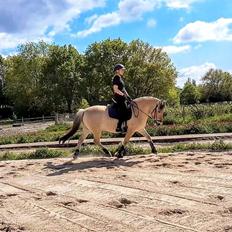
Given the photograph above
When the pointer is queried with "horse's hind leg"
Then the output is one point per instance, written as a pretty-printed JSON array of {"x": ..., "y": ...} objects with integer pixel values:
[
  {"x": 84, "y": 135},
  {"x": 97, "y": 136},
  {"x": 148, "y": 137}
]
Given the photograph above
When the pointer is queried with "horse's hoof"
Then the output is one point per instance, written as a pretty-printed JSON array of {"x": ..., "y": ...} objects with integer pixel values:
[
  {"x": 76, "y": 154},
  {"x": 154, "y": 152},
  {"x": 118, "y": 155},
  {"x": 125, "y": 151},
  {"x": 110, "y": 154}
]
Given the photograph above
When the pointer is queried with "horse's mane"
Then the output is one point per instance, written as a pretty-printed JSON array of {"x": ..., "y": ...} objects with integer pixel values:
[{"x": 139, "y": 99}]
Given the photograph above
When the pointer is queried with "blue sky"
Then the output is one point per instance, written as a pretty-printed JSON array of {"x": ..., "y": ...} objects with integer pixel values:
[{"x": 196, "y": 34}]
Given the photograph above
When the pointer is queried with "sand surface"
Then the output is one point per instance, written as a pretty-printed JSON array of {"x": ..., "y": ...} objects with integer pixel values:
[{"x": 176, "y": 192}]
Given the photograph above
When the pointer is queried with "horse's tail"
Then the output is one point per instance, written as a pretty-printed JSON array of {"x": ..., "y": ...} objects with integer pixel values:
[{"x": 76, "y": 124}]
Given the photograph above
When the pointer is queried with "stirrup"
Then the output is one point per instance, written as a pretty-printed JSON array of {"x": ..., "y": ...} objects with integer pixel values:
[
  {"x": 124, "y": 126},
  {"x": 121, "y": 130}
]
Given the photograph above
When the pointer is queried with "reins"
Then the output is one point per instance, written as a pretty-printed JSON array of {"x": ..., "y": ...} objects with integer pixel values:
[{"x": 135, "y": 105}]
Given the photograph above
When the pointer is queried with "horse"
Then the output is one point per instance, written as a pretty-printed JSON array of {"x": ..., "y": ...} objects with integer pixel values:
[{"x": 96, "y": 119}]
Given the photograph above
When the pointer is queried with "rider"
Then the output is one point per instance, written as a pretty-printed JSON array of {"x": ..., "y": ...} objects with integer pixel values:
[{"x": 120, "y": 94}]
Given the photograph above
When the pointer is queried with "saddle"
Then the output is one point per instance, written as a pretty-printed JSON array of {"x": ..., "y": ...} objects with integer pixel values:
[{"x": 114, "y": 111}]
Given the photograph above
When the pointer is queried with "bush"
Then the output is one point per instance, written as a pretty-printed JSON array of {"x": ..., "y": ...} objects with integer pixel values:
[
  {"x": 219, "y": 145},
  {"x": 58, "y": 127},
  {"x": 187, "y": 114}
]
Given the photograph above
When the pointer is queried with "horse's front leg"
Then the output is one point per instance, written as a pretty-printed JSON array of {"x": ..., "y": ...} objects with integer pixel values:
[
  {"x": 121, "y": 149},
  {"x": 148, "y": 137}
]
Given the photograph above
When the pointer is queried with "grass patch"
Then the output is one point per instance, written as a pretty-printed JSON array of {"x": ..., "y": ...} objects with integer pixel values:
[
  {"x": 41, "y": 136},
  {"x": 132, "y": 149},
  {"x": 58, "y": 127},
  {"x": 200, "y": 127},
  {"x": 40, "y": 153},
  {"x": 217, "y": 145},
  {"x": 54, "y": 132}
]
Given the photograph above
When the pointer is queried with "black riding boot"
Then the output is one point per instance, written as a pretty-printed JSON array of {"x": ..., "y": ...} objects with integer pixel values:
[{"x": 120, "y": 127}]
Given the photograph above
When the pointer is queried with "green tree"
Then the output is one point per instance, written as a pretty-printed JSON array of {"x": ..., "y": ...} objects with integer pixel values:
[
  {"x": 174, "y": 97},
  {"x": 62, "y": 78},
  {"x": 217, "y": 86},
  {"x": 150, "y": 71},
  {"x": 100, "y": 58},
  {"x": 2, "y": 71},
  {"x": 44, "y": 78},
  {"x": 23, "y": 74},
  {"x": 190, "y": 94}
]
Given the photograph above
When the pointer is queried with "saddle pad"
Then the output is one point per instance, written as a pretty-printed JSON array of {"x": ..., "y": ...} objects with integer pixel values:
[{"x": 114, "y": 112}]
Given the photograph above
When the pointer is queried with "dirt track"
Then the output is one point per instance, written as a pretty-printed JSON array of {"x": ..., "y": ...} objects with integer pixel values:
[
  {"x": 27, "y": 128},
  {"x": 181, "y": 192}
]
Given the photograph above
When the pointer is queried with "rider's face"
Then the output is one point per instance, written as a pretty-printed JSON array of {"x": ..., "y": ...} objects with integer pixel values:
[{"x": 121, "y": 71}]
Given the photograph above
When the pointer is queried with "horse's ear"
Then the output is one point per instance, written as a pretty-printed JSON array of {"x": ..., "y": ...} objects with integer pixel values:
[{"x": 162, "y": 104}]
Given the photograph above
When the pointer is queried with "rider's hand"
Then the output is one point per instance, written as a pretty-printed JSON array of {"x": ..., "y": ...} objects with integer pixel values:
[{"x": 128, "y": 98}]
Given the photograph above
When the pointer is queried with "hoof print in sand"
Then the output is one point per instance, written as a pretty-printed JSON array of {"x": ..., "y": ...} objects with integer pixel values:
[{"x": 169, "y": 212}]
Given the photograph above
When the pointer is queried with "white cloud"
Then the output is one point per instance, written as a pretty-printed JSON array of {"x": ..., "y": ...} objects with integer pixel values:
[
  {"x": 23, "y": 20},
  {"x": 11, "y": 41},
  {"x": 132, "y": 10},
  {"x": 8, "y": 41},
  {"x": 200, "y": 31},
  {"x": 176, "y": 49},
  {"x": 128, "y": 10},
  {"x": 100, "y": 23},
  {"x": 33, "y": 20},
  {"x": 178, "y": 4},
  {"x": 193, "y": 72},
  {"x": 151, "y": 23}
]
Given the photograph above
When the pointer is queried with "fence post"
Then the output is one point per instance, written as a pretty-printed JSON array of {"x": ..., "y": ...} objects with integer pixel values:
[
  {"x": 56, "y": 118},
  {"x": 183, "y": 112}
]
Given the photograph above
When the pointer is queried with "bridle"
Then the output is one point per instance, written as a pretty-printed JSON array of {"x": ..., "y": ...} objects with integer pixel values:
[{"x": 152, "y": 115}]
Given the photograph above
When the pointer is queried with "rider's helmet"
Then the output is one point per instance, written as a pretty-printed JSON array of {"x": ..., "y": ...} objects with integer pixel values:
[{"x": 119, "y": 66}]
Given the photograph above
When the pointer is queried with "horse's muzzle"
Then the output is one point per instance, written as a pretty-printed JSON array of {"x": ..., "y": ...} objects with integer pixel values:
[{"x": 158, "y": 123}]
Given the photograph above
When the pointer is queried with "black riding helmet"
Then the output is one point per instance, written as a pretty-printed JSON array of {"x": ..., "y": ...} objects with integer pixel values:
[{"x": 119, "y": 66}]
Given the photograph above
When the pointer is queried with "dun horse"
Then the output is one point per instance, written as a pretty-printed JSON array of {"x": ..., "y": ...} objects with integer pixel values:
[{"x": 95, "y": 119}]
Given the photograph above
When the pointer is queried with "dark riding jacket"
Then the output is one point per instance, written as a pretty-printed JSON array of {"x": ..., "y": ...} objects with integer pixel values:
[
  {"x": 121, "y": 100},
  {"x": 117, "y": 80}
]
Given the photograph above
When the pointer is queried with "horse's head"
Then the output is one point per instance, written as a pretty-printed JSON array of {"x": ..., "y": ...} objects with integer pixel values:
[{"x": 158, "y": 112}]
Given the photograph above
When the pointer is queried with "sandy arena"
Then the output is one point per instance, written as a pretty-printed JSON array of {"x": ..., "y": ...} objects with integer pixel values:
[{"x": 181, "y": 192}]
